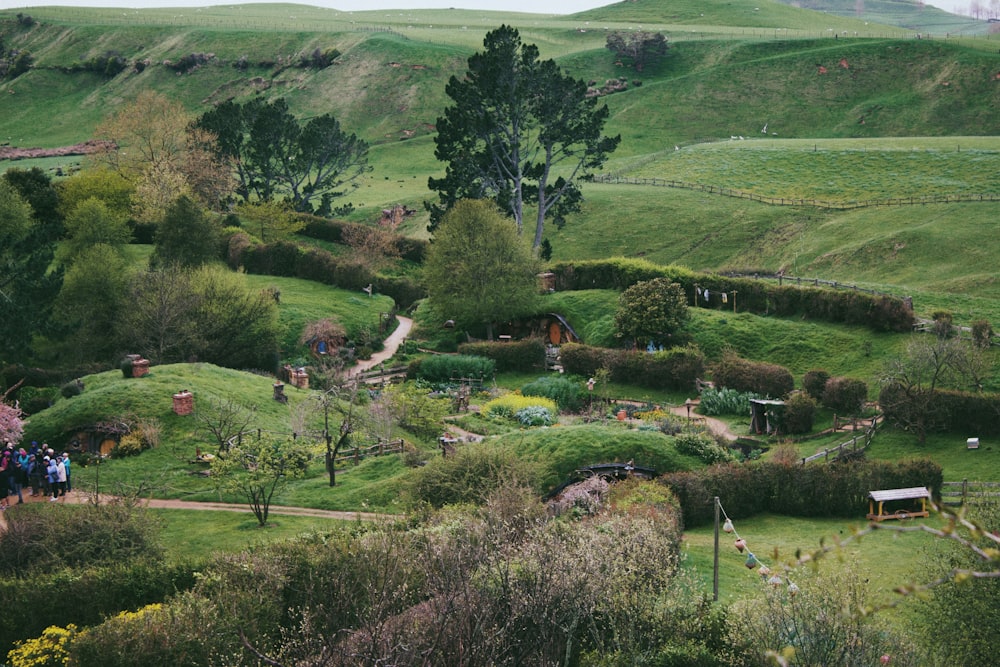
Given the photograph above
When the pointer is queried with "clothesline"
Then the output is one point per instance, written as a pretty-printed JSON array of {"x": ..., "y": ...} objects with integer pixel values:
[{"x": 752, "y": 560}]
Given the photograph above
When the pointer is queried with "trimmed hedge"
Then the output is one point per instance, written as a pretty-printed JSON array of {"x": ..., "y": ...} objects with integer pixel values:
[
  {"x": 519, "y": 356},
  {"x": 845, "y": 395},
  {"x": 734, "y": 372},
  {"x": 879, "y": 313},
  {"x": 676, "y": 368},
  {"x": 835, "y": 490},
  {"x": 960, "y": 411},
  {"x": 291, "y": 260},
  {"x": 446, "y": 368},
  {"x": 324, "y": 229}
]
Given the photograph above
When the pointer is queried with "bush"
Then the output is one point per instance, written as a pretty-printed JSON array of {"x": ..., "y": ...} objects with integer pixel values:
[
  {"x": 814, "y": 383},
  {"x": 835, "y": 490},
  {"x": 703, "y": 447},
  {"x": 470, "y": 476},
  {"x": 768, "y": 380},
  {"x": 535, "y": 415},
  {"x": 845, "y": 395},
  {"x": 522, "y": 356},
  {"x": 569, "y": 395},
  {"x": 508, "y": 405},
  {"x": 982, "y": 334},
  {"x": 725, "y": 401},
  {"x": 674, "y": 369},
  {"x": 72, "y": 388},
  {"x": 445, "y": 369},
  {"x": 799, "y": 413}
]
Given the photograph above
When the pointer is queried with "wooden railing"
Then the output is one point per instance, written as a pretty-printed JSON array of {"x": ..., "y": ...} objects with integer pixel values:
[
  {"x": 857, "y": 443},
  {"x": 357, "y": 454},
  {"x": 958, "y": 493}
]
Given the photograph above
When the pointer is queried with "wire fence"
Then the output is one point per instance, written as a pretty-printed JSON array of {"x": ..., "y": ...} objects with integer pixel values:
[{"x": 791, "y": 201}]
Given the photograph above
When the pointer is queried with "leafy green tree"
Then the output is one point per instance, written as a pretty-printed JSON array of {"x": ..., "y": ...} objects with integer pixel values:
[
  {"x": 651, "y": 310},
  {"x": 270, "y": 220},
  {"x": 27, "y": 287},
  {"x": 274, "y": 155},
  {"x": 236, "y": 326},
  {"x": 258, "y": 468},
  {"x": 36, "y": 188},
  {"x": 640, "y": 47},
  {"x": 111, "y": 188},
  {"x": 159, "y": 323},
  {"x": 478, "y": 271},
  {"x": 91, "y": 303},
  {"x": 186, "y": 235},
  {"x": 89, "y": 224},
  {"x": 520, "y": 132}
]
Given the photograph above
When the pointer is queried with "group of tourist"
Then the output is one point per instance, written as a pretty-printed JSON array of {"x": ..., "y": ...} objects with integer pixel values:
[{"x": 39, "y": 469}]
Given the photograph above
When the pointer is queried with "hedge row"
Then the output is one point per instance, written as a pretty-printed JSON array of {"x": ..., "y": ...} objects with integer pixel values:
[
  {"x": 84, "y": 597},
  {"x": 519, "y": 356},
  {"x": 448, "y": 368},
  {"x": 413, "y": 250},
  {"x": 964, "y": 412},
  {"x": 291, "y": 260},
  {"x": 879, "y": 313},
  {"x": 677, "y": 368},
  {"x": 764, "y": 379},
  {"x": 835, "y": 490}
]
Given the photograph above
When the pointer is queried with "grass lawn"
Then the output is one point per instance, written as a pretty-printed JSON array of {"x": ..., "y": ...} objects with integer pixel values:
[
  {"x": 195, "y": 535},
  {"x": 886, "y": 558}
]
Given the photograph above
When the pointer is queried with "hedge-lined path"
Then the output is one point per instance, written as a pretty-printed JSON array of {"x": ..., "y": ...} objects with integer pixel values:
[{"x": 389, "y": 347}]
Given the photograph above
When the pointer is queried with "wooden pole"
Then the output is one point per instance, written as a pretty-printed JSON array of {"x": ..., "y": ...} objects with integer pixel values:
[{"x": 715, "y": 563}]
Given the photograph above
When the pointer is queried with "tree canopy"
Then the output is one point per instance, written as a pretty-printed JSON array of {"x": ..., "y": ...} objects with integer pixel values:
[
  {"x": 520, "y": 132},
  {"x": 640, "y": 47},
  {"x": 651, "y": 310},
  {"x": 274, "y": 155},
  {"x": 478, "y": 270}
]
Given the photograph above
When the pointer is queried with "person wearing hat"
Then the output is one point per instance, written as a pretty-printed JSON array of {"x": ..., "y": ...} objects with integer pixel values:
[{"x": 52, "y": 472}]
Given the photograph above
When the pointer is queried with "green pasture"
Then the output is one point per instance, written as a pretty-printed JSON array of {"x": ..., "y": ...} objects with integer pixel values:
[
  {"x": 836, "y": 171},
  {"x": 888, "y": 559}
]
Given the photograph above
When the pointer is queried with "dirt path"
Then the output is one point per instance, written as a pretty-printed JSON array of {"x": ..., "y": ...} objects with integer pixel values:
[
  {"x": 390, "y": 345},
  {"x": 716, "y": 426}
]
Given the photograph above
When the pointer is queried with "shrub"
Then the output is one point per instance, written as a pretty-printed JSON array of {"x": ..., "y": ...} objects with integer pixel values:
[
  {"x": 445, "y": 369},
  {"x": 703, "y": 447},
  {"x": 799, "y": 413},
  {"x": 676, "y": 368},
  {"x": 740, "y": 374},
  {"x": 534, "y": 415},
  {"x": 725, "y": 401},
  {"x": 131, "y": 444},
  {"x": 569, "y": 395},
  {"x": 522, "y": 356},
  {"x": 72, "y": 388},
  {"x": 814, "y": 383},
  {"x": 470, "y": 476},
  {"x": 982, "y": 334},
  {"x": 845, "y": 395},
  {"x": 49, "y": 650},
  {"x": 508, "y": 405}
]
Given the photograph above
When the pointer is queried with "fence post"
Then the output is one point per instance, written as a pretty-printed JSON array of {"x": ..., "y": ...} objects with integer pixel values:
[{"x": 965, "y": 489}]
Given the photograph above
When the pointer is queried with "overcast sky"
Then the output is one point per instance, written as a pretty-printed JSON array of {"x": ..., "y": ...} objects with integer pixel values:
[{"x": 546, "y": 7}]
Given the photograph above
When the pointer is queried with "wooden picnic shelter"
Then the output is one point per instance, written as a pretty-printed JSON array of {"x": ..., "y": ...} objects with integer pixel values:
[{"x": 895, "y": 496}]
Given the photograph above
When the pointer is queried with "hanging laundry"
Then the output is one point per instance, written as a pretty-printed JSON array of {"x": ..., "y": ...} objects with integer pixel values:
[
  {"x": 706, "y": 295},
  {"x": 725, "y": 297}
]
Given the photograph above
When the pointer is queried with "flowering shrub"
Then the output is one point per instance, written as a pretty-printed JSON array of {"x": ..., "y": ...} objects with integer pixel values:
[
  {"x": 49, "y": 650},
  {"x": 507, "y": 406},
  {"x": 11, "y": 426}
]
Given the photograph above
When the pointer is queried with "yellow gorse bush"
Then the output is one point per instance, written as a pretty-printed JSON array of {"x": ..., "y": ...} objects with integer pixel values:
[{"x": 49, "y": 650}]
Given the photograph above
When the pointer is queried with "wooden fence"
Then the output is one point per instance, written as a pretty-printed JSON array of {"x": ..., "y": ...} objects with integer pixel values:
[
  {"x": 856, "y": 444},
  {"x": 958, "y": 493},
  {"x": 789, "y": 201},
  {"x": 357, "y": 454}
]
